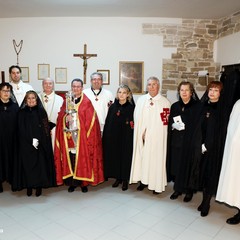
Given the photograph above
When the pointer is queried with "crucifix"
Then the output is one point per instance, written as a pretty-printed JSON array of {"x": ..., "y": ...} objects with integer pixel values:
[{"x": 85, "y": 56}]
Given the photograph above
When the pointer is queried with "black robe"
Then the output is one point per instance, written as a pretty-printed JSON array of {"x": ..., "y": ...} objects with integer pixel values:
[
  {"x": 231, "y": 89},
  {"x": 8, "y": 144},
  {"x": 183, "y": 150},
  {"x": 35, "y": 167},
  {"x": 118, "y": 141},
  {"x": 214, "y": 122}
]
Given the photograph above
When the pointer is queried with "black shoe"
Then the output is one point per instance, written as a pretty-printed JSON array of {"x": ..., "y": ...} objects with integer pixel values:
[
  {"x": 205, "y": 205},
  {"x": 84, "y": 189},
  {"x": 1, "y": 188},
  {"x": 234, "y": 220},
  {"x": 205, "y": 210},
  {"x": 38, "y": 192},
  {"x": 141, "y": 187},
  {"x": 188, "y": 197},
  {"x": 116, "y": 183},
  {"x": 175, "y": 195},
  {"x": 203, "y": 202},
  {"x": 200, "y": 207},
  {"x": 71, "y": 189},
  {"x": 29, "y": 192},
  {"x": 155, "y": 193},
  {"x": 125, "y": 185}
]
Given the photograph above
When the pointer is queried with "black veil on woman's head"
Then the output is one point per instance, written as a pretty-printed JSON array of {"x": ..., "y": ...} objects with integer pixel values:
[
  {"x": 9, "y": 86},
  {"x": 191, "y": 87},
  {"x": 24, "y": 102},
  {"x": 42, "y": 114}
]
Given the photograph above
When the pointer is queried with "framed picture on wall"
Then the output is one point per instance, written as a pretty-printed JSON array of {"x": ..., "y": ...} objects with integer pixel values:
[
  {"x": 132, "y": 74},
  {"x": 106, "y": 76},
  {"x": 25, "y": 74},
  {"x": 43, "y": 71},
  {"x": 61, "y": 75}
]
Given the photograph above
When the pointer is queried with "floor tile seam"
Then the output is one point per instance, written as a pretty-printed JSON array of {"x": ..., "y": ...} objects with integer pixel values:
[
  {"x": 99, "y": 237},
  {"x": 187, "y": 229},
  {"x": 179, "y": 224},
  {"x": 119, "y": 224},
  {"x": 218, "y": 231},
  {"x": 17, "y": 237},
  {"x": 84, "y": 236},
  {"x": 142, "y": 225},
  {"x": 146, "y": 229},
  {"x": 53, "y": 222},
  {"x": 164, "y": 235}
]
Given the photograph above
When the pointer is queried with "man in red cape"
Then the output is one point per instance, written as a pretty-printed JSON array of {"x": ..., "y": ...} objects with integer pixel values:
[{"x": 79, "y": 163}]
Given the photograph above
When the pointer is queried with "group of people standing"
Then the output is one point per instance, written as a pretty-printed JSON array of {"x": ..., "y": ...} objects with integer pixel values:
[
  {"x": 43, "y": 144},
  {"x": 26, "y": 153},
  {"x": 196, "y": 141},
  {"x": 197, "y": 131}
]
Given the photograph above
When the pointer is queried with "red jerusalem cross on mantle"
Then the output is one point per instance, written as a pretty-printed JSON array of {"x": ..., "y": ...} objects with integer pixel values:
[{"x": 85, "y": 56}]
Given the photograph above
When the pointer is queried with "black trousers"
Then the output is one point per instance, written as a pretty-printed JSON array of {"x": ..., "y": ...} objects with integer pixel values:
[{"x": 71, "y": 181}]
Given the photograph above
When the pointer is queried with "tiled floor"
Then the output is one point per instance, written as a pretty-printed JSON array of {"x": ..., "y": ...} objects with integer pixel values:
[{"x": 106, "y": 213}]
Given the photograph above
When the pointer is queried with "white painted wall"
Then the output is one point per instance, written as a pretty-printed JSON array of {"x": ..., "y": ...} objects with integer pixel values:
[
  {"x": 54, "y": 41},
  {"x": 227, "y": 49}
]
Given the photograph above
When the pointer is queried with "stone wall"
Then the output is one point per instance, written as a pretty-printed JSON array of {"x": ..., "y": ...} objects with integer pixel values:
[
  {"x": 194, "y": 39},
  {"x": 229, "y": 25}
]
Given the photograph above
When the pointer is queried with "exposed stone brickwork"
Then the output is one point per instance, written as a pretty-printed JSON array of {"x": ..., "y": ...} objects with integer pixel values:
[
  {"x": 229, "y": 25},
  {"x": 194, "y": 40}
]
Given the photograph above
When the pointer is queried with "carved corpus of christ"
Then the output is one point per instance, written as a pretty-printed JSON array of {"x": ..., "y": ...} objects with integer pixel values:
[{"x": 85, "y": 56}]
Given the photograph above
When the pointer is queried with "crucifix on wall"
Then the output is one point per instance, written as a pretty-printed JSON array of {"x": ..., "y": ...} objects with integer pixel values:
[{"x": 85, "y": 56}]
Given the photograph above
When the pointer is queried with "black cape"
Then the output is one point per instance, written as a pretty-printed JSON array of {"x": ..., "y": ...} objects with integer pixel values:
[
  {"x": 118, "y": 141},
  {"x": 231, "y": 89},
  {"x": 183, "y": 149},
  {"x": 213, "y": 126},
  {"x": 8, "y": 141},
  {"x": 35, "y": 167}
]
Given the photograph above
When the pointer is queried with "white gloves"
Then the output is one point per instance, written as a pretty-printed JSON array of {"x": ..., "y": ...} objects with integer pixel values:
[
  {"x": 35, "y": 143},
  {"x": 203, "y": 148},
  {"x": 178, "y": 126}
]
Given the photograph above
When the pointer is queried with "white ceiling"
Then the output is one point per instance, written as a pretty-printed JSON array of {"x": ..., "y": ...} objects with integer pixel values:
[{"x": 198, "y": 9}]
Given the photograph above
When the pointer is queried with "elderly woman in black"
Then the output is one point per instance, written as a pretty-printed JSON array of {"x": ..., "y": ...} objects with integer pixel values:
[
  {"x": 8, "y": 123},
  {"x": 181, "y": 143},
  {"x": 35, "y": 166}
]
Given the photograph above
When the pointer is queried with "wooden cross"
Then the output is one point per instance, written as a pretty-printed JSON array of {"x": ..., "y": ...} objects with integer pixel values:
[{"x": 85, "y": 56}]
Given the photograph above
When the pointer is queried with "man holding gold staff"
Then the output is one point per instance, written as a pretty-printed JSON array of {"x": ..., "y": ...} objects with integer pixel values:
[{"x": 78, "y": 146}]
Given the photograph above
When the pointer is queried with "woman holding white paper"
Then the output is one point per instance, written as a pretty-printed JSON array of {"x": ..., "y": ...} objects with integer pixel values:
[{"x": 182, "y": 119}]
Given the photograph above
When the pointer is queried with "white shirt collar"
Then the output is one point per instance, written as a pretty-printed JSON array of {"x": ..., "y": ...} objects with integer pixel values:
[{"x": 157, "y": 97}]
